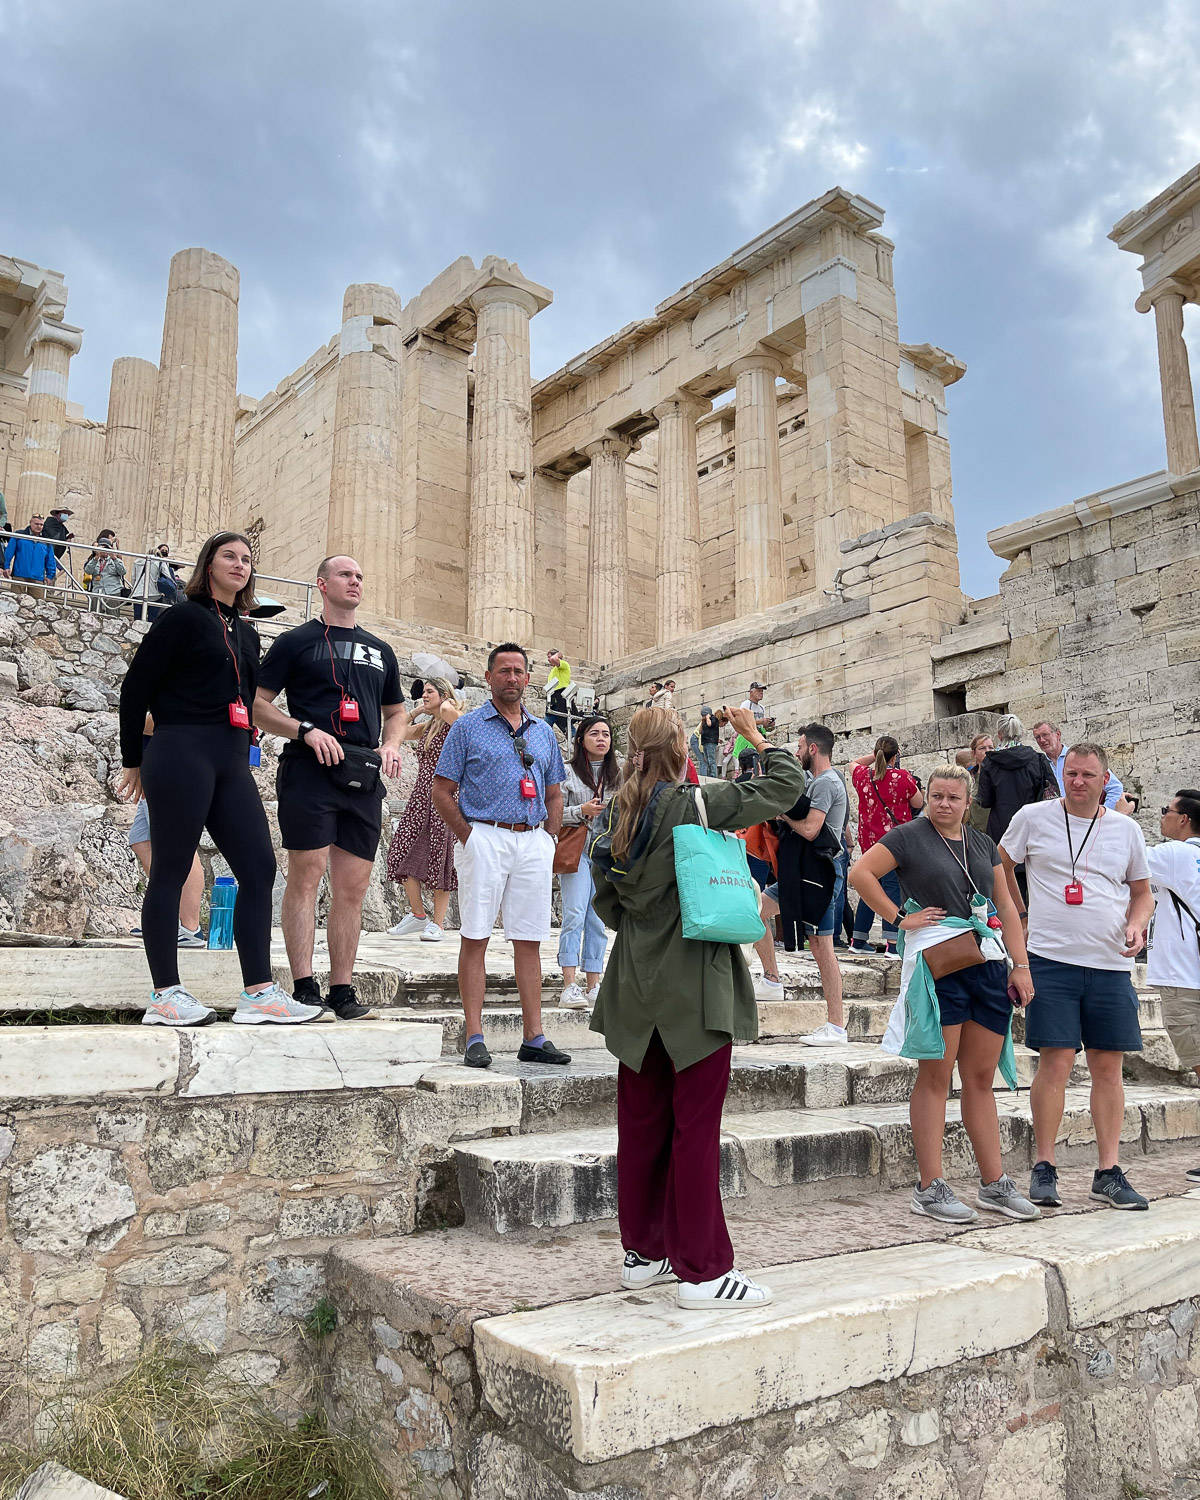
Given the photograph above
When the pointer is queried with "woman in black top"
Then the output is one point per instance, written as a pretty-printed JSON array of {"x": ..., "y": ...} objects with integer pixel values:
[{"x": 196, "y": 672}]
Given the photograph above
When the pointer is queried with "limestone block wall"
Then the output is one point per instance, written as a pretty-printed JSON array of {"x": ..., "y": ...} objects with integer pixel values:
[
  {"x": 160, "y": 1206},
  {"x": 282, "y": 456},
  {"x": 1096, "y": 628},
  {"x": 12, "y": 432}
]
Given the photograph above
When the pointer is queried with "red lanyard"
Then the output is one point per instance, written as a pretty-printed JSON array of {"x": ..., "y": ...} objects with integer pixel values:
[{"x": 229, "y": 648}]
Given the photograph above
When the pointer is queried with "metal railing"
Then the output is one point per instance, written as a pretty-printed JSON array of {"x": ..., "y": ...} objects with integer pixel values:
[{"x": 294, "y": 594}]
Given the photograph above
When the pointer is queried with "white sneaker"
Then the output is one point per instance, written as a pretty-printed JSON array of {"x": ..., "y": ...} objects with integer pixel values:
[
  {"x": 638, "y": 1273},
  {"x": 176, "y": 1007},
  {"x": 273, "y": 1006},
  {"x": 574, "y": 996},
  {"x": 768, "y": 989},
  {"x": 734, "y": 1292},
  {"x": 593, "y": 996},
  {"x": 432, "y": 933},
  {"x": 409, "y": 927},
  {"x": 828, "y": 1035},
  {"x": 190, "y": 939}
]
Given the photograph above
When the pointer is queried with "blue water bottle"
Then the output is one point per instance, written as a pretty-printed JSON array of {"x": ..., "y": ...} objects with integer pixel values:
[{"x": 220, "y": 912}]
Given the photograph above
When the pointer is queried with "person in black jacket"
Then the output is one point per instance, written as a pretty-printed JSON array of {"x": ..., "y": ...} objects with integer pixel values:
[
  {"x": 1011, "y": 776},
  {"x": 196, "y": 671}
]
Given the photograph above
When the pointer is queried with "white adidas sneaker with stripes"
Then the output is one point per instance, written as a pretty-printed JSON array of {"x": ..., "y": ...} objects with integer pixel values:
[{"x": 734, "y": 1291}]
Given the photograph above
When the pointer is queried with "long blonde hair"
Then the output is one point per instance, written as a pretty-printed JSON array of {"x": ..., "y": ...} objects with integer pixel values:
[
  {"x": 444, "y": 691},
  {"x": 657, "y": 752}
]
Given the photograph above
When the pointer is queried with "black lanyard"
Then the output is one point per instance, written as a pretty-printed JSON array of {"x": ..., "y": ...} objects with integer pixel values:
[
  {"x": 1076, "y": 857},
  {"x": 516, "y": 734}
]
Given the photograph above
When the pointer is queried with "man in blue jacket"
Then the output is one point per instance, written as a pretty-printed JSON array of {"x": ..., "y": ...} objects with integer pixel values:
[{"x": 30, "y": 560}]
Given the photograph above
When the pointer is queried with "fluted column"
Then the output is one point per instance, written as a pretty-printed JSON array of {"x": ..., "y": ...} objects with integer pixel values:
[
  {"x": 757, "y": 486},
  {"x": 608, "y": 549},
  {"x": 500, "y": 587},
  {"x": 49, "y": 346},
  {"x": 365, "y": 478},
  {"x": 677, "y": 590},
  {"x": 191, "y": 450},
  {"x": 1179, "y": 409},
  {"x": 126, "y": 483},
  {"x": 80, "y": 477}
]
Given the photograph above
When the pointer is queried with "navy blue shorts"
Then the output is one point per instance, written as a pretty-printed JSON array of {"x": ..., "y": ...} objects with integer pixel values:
[
  {"x": 1073, "y": 1007},
  {"x": 978, "y": 994}
]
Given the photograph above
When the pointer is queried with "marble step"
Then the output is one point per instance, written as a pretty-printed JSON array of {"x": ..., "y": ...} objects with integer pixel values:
[
  {"x": 628, "y": 1372},
  {"x": 552, "y": 1180}
]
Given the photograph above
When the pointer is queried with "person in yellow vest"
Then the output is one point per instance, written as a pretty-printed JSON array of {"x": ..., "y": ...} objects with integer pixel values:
[{"x": 558, "y": 680}]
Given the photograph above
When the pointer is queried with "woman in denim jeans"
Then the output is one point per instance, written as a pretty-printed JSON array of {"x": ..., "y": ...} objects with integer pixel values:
[{"x": 592, "y": 778}]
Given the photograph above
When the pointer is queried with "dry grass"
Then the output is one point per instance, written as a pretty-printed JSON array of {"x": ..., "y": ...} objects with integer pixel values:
[{"x": 167, "y": 1430}]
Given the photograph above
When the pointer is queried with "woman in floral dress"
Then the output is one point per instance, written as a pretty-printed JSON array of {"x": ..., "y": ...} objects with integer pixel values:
[{"x": 422, "y": 848}]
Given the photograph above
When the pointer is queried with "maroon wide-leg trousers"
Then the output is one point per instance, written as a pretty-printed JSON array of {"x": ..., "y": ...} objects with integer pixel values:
[{"x": 669, "y": 1162}]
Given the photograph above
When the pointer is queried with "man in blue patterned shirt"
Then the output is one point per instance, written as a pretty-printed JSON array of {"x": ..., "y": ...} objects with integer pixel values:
[{"x": 498, "y": 790}]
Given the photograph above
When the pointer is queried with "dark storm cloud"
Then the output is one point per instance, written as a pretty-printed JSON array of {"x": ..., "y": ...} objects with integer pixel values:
[{"x": 616, "y": 151}]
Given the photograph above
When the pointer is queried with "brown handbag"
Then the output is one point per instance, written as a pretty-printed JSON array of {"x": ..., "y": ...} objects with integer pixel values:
[
  {"x": 569, "y": 849},
  {"x": 953, "y": 954}
]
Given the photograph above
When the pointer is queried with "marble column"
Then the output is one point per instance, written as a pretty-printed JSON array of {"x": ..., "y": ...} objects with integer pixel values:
[
  {"x": 126, "y": 483},
  {"x": 80, "y": 482},
  {"x": 758, "y": 487},
  {"x": 501, "y": 584},
  {"x": 608, "y": 549},
  {"x": 191, "y": 449},
  {"x": 365, "y": 477},
  {"x": 49, "y": 346},
  {"x": 1179, "y": 409},
  {"x": 677, "y": 591}
]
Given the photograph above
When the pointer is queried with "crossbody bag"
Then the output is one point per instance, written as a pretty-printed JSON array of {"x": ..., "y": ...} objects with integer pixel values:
[{"x": 359, "y": 770}]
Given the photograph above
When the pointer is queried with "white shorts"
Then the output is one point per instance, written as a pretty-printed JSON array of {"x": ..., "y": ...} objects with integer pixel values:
[{"x": 499, "y": 870}]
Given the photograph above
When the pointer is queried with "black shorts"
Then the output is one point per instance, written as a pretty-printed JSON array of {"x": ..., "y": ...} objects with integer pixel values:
[
  {"x": 978, "y": 994},
  {"x": 313, "y": 813}
]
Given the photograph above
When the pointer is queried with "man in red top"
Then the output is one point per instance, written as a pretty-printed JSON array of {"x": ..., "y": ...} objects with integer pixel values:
[{"x": 888, "y": 795}]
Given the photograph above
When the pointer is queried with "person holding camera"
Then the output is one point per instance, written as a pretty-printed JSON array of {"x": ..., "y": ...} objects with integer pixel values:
[
  {"x": 104, "y": 575},
  {"x": 343, "y": 695}
]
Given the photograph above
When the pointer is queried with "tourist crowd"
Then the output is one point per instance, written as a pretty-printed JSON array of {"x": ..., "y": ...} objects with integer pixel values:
[{"x": 1013, "y": 882}]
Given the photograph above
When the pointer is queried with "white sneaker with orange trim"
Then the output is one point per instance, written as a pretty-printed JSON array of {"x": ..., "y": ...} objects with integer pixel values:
[
  {"x": 272, "y": 1006},
  {"x": 176, "y": 1007}
]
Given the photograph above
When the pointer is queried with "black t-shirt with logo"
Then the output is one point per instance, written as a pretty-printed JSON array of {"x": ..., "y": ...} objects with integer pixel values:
[{"x": 314, "y": 664}]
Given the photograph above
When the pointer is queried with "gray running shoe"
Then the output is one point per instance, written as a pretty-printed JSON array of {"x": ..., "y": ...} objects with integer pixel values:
[
  {"x": 1113, "y": 1187},
  {"x": 937, "y": 1201},
  {"x": 1001, "y": 1197},
  {"x": 1043, "y": 1185}
]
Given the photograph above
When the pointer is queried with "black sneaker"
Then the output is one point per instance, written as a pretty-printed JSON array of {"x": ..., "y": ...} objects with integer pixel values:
[
  {"x": 1193, "y": 1174},
  {"x": 1043, "y": 1185},
  {"x": 307, "y": 991},
  {"x": 1113, "y": 1187},
  {"x": 477, "y": 1056},
  {"x": 546, "y": 1053},
  {"x": 345, "y": 1004}
]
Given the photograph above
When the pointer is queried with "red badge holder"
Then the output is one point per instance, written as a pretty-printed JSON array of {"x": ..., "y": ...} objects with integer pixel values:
[
  {"x": 239, "y": 715},
  {"x": 1073, "y": 893},
  {"x": 528, "y": 787},
  {"x": 348, "y": 711}
]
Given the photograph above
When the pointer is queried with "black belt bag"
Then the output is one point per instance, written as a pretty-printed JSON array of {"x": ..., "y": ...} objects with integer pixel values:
[{"x": 359, "y": 770}]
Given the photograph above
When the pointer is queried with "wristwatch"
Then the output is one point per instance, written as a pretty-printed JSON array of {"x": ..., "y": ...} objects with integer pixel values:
[{"x": 304, "y": 726}]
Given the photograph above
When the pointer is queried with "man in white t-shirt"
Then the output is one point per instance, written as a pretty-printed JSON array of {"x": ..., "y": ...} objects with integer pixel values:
[
  {"x": 1089, "y": 906},
  {"x": 1173, "y": 965}
]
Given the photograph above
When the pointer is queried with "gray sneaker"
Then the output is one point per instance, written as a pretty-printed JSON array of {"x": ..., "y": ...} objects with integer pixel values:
[
  {"x": 1043, "y": 1185},
  {"x": 937, "y": 1201},
  {"x": 272, "y": 1007},
  {"x": 1001, "y": 1197}
]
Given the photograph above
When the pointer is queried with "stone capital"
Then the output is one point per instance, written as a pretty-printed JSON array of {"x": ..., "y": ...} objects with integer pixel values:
[
  {"x": 47, "y": 331},
  {"x": 766, "y": 362},
  {"x": 503, "y": 281},
  {"x": 683, "y": 404},
  {"x": 609, "y": 446},
  {"x": 1171, "y": 287}
]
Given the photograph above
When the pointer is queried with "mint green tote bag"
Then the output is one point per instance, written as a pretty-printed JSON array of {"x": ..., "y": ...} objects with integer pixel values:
[{"x": 717, "y": 893}]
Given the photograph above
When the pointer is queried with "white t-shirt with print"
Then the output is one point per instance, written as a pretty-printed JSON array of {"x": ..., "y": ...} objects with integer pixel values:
[
  {"x": 1092, "y": 935},
  {"x": 1174, "y": 952},
  {"x": 759, "y": 709}
]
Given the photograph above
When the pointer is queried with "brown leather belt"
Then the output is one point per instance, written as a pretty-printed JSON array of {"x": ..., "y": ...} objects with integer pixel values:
[{"x": 512, "y": 827}]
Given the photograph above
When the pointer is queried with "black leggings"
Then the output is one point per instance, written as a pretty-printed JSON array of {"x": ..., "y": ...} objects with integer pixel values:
[{"x": 197, "y": 776}]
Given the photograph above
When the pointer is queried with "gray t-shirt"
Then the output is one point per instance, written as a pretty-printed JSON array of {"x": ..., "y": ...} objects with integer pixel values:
[
  {"x": 931, "y": 874},
  {"x": 827, "y": 794}
]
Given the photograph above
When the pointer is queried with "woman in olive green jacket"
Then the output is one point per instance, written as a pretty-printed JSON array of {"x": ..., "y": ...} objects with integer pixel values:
[{"x": 670, "y": 1009}]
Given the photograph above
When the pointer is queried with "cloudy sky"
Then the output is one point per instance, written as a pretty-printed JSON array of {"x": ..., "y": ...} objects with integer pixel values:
[{"x": 616, "y": 150}]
